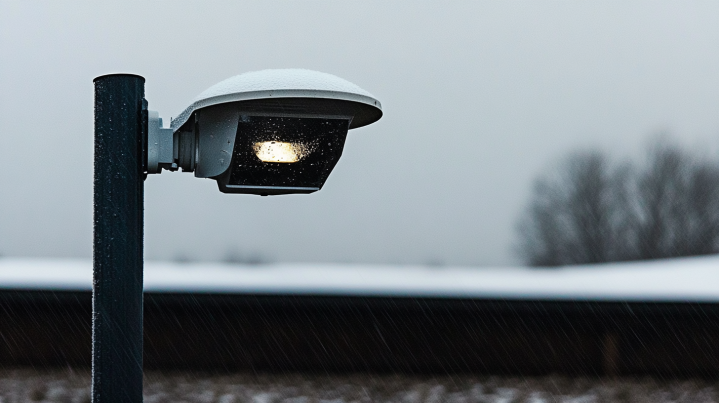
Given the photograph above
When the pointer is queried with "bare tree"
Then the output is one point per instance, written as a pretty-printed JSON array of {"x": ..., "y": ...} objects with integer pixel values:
[
  {"x": 588, "y": 211},
  {"x": 573, "y": 217},
  {"x": 675, "y": 208}
]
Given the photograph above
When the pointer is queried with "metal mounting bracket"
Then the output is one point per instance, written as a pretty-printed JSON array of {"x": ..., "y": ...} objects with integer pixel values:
[{"x": 160, "y": 148}]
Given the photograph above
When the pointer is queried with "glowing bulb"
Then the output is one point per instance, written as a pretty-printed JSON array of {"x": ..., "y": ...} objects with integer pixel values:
[{"x": 278, "y": 151}]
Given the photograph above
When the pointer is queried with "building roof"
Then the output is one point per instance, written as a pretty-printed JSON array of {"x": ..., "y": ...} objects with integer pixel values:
[{"x": 687, "y": 279}]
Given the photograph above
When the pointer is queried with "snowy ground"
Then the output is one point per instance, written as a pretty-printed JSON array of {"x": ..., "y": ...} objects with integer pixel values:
[{"x": 71, "y": 386}]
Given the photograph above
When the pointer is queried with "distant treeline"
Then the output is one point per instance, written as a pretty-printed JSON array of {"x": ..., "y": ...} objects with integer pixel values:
[{"x": 591, "y": 209}]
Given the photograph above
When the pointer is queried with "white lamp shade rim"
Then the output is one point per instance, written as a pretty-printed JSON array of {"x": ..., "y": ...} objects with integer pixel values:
[{"x": 281, "y": 84}]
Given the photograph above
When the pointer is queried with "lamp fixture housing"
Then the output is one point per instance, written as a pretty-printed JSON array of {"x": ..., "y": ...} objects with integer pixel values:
[{"x": 268, "y": 132}]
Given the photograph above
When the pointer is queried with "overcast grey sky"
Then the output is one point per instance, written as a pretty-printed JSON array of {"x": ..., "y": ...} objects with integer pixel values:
[{"x": 478, "y": 98}]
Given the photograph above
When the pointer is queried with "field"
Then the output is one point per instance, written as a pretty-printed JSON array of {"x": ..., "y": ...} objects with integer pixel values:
[{"x": 69, "y": 386}]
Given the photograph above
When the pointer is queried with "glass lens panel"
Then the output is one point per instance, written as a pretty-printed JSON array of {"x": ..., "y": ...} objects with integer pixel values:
[{"x": 286, "y": 152}]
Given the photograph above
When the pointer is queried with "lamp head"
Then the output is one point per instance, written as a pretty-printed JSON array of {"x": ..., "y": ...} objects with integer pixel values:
[{"x": 268, "y": 132}]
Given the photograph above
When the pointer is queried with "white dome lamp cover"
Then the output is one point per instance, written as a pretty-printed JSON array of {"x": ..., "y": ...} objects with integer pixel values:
[{"x": 295, "y": 89}]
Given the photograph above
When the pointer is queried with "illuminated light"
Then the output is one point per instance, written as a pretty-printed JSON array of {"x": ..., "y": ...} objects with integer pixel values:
[{"x": 278, "y": 151}]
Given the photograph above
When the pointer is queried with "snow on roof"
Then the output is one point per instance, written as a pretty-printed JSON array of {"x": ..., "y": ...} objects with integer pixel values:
[{"x": 687, "y": 279}]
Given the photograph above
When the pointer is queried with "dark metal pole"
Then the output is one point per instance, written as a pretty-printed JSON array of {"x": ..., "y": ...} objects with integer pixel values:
[{"x": 118, "y": 237}]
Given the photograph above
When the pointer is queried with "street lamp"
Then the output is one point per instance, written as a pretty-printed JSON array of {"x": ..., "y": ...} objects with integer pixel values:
[{"x": 269, "y": 132}]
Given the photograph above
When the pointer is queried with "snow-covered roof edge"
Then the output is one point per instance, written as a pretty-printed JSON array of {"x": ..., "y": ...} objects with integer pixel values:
[{"x": 687, "y": 279}]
